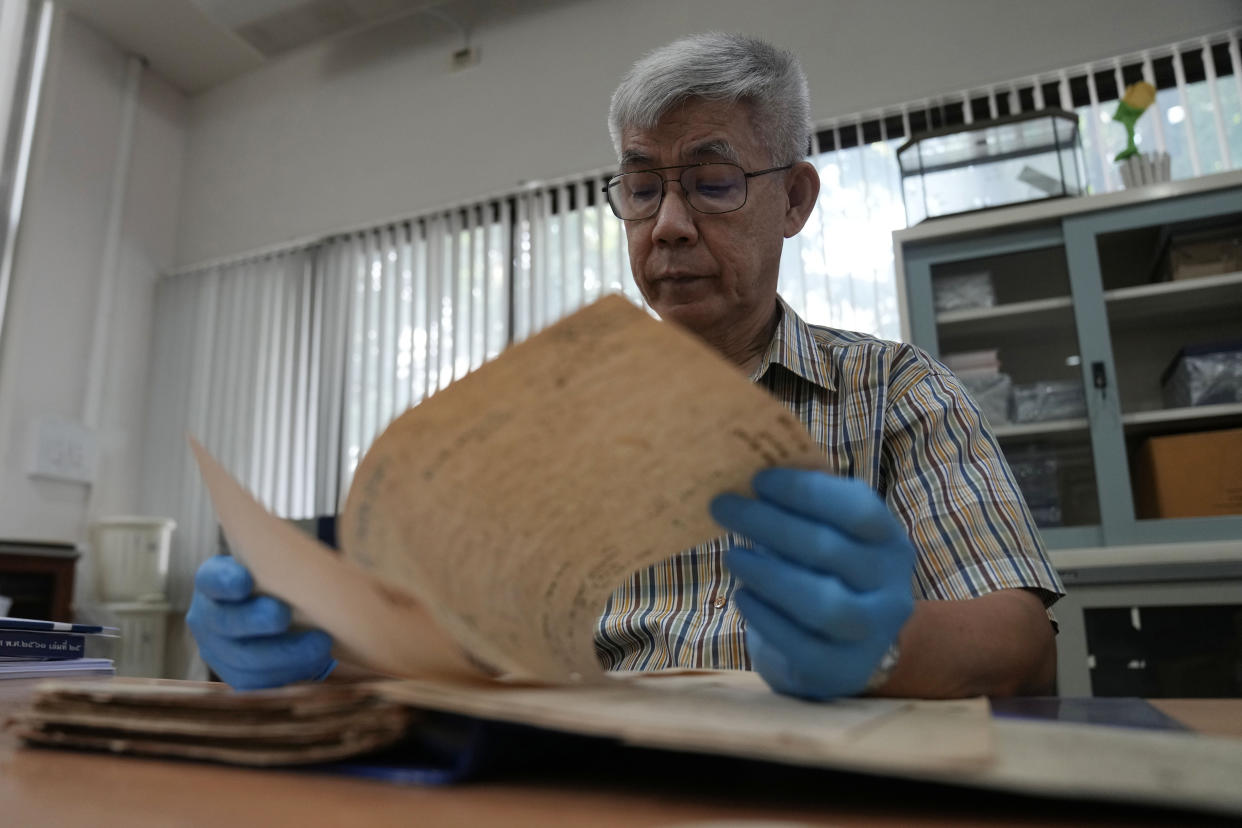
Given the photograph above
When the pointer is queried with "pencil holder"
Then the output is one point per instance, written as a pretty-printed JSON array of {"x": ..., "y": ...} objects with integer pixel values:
[
  {"x": 1142, "y": 169},
  {"x": 131, "y": 557}
]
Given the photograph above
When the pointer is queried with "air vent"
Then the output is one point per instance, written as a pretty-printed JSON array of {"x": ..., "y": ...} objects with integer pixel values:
[{"x": 273, "y": 27}]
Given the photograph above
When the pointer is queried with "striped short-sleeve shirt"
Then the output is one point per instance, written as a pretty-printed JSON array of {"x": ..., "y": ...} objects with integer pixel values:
[{"x": 884, "y": 412}]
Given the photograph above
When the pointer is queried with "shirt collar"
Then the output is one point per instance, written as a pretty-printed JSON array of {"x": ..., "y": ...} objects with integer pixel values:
[{"x": 795, "y": 348}]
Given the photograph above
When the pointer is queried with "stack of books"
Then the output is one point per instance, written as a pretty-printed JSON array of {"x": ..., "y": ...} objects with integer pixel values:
[{"x": 34, "y": 649}]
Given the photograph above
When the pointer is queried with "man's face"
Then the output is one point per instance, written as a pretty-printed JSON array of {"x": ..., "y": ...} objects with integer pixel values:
[{"x": 708, "y": 273}]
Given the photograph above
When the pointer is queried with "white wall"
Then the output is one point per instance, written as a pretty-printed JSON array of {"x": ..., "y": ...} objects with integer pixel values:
[
  {"x": 373, "y": 127},
  {"x": 48, "y": 335}
]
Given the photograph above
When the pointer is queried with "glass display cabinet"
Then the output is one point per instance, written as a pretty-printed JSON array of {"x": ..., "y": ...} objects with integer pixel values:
[
  {"x": 1102, "y": 338},
  {"x": 1002, "y": 161},
  {"x": 1078, "y": 306}
]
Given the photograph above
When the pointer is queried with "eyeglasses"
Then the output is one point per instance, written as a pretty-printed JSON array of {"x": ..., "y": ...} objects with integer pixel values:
[{"x": 711, "y": 187}]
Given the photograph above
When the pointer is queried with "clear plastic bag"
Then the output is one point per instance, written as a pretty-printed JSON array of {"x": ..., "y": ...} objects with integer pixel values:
[
  {"x": 1050, "y": 400},
  {"x": 992, "y": 392},
  {"x": 970, "y": 290},
  {"x": 1210, "y": 378},
  {"x": 1037, "y": 475}
]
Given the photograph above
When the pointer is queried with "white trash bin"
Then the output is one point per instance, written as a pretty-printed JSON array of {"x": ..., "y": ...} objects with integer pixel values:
[
  {"x": 131, "y": 557},
  {"x": 143, "y": 629}
]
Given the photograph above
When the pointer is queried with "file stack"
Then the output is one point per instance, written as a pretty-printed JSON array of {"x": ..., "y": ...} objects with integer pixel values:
[{"x": 31, "y": 648}]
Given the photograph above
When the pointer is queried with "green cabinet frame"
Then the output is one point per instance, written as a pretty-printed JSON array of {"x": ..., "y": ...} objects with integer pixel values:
[{"x": 1077, "y": 230}]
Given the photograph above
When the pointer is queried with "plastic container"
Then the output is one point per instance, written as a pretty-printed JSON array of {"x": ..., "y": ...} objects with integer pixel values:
[
  {"x": 143, "y": 630},
  {"x": 131, "y": 557},
  {"x": 1050, "y": 400},
  {"x": 1145, "y": 168},
  {"x": 1209, "y": 374},
  {"x": 969, "y": 290},
  {"x": 993, "y": 393}
]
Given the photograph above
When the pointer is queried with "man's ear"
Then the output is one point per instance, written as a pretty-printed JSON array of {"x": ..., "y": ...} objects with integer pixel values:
[{"x": 802, "y": 189}]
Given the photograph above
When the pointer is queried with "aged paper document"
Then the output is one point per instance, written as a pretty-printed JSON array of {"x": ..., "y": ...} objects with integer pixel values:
[
  {"x": 298, "y": 724},
  {"x": 496, "y": 517},
  {"x": 514, "y": 502},
  {"x": 371, "y": 622},
  {"x": 731, "y": 713},
  {"x": 485, "y": 529},
  {"x": 1119, "y": 764}
]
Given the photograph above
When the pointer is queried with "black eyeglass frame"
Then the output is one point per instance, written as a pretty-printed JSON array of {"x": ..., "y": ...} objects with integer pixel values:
[{"x": 612, "y": 182}]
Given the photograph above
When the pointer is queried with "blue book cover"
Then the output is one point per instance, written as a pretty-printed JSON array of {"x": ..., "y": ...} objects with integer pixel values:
[
  {"x": 34, "y": 625},
  {"x": 41, "y": 645}
]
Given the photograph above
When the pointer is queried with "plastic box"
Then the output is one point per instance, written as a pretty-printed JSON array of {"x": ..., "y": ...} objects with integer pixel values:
[
  {"x": 131, "y": 557},
  {"x": 993, "y": 393},
  {"x": 143, "y": 630},
  {"x": 969, "y": 290},
  {"x": 1050, "y": 400},
  {"x": 1208, "y": 374}
]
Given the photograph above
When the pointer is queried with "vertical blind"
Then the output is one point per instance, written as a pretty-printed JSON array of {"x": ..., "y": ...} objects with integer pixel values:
[
  {"x": 25, "y": 32},
  {"x": 288, "y": 365},
  {"x": 570, "y": 251},
  {"x": 417, "y": 305},
  {"x": 237, "y": 364}
]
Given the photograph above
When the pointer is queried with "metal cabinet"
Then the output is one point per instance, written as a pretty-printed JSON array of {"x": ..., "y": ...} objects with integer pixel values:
[
  {"x": 1074, "y": 313},
  {"x": 1074, "y": 308}
]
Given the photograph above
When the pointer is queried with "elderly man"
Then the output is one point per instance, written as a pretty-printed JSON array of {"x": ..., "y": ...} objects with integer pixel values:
[{"x": 914, "y": 570}]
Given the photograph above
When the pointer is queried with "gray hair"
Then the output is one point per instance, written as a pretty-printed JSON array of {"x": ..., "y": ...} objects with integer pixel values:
[{"x": 719, "y": 67}]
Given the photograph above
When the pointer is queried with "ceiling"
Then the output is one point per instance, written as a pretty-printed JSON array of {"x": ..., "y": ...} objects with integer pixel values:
[{"x": 193, "y": 51}]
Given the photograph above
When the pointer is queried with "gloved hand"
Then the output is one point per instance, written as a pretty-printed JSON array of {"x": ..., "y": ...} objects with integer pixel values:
[
  {"x": 827, "y": 587},
  {"x": 246, "y": 638}
]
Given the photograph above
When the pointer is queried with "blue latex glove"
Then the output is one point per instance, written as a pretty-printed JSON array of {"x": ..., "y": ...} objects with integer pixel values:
[
  {"x": 245, "y": 637},
  {"x": 827, "y": 587}
]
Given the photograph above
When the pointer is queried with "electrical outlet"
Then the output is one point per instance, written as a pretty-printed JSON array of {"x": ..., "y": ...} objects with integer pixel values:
[
  {"x": 61, "y": 449},
  {"x": 464, "y": 58}
]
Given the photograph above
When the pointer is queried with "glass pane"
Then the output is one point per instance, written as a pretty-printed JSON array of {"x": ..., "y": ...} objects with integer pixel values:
[
  {"x": 839, "y": 270},
  {"x": 1230, "y": 93},
  {"x": 1024, "y": 158},
  {"x": 1005, "y": 326},
  {"x": 1025, "y": 135},
  {"x": 1173, "y": 293},
  {"x": 1165, "y": 652},
  {"x": 975, "y": 284}
]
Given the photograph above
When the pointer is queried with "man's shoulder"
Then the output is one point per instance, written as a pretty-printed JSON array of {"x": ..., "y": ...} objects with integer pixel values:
[{"x": 843, "y": 348}]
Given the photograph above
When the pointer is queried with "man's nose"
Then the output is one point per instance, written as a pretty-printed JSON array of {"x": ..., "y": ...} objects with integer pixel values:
[{"x": 674, "y": 220}]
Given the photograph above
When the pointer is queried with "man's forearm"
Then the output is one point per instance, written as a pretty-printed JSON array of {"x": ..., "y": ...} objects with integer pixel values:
[{"x": 1000, "y": 644}]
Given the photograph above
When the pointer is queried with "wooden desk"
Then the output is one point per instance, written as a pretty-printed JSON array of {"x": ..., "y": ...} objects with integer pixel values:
[
  {"x": 51, "y": 568},
  {"x": 1217, "y": 717},
  {"x": 43, "y": 787}
]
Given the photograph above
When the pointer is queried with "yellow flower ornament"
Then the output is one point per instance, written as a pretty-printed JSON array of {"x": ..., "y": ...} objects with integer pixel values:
[{"x": 1137, "y": 97}]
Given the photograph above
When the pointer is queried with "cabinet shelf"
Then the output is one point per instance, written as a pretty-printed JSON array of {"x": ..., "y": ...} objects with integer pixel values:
[
  {"x": 1216, "y": 294},
  {"x": 1036, "y": 313},
  {"x": 1138, "y": 423},
  {"x": 1012, "y": 431}
]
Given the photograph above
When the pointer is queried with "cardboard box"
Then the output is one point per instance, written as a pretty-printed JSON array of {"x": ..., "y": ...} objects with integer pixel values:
[
  {"x": 1190, "y": 475},
  {"x": 1212, "y": 253}
]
